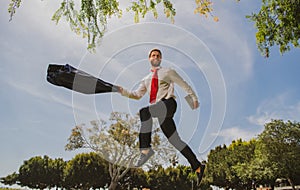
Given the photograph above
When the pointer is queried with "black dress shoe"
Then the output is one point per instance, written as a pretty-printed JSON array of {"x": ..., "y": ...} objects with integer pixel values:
[
  {"x": 144, "y": 158},
  {"x": 200, "y": 174}
]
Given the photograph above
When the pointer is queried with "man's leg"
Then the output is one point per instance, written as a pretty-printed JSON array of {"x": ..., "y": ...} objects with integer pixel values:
[
  {"x": 145, "y": 136},
  {"x": 146, "y": 128},
  {"x": 146, "y": 114},
  {"x": 169, "y": 129}
]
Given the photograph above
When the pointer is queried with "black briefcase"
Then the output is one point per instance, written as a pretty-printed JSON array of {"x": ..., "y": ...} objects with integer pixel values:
[{"x": 77, "y": 80}]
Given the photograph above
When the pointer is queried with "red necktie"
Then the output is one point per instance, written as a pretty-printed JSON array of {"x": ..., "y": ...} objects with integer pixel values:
[{"x": 154, "y": 86}]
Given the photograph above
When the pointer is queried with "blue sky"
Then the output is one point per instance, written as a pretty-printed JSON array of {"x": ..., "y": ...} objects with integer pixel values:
[{"x": 239, "y": 90}]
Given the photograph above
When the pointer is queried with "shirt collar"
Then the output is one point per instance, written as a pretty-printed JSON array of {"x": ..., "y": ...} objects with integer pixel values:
[{"x": 156, "y": 68}]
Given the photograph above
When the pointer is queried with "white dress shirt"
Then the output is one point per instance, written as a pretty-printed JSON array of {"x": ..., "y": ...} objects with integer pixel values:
[{"x": 166, "y": 79}]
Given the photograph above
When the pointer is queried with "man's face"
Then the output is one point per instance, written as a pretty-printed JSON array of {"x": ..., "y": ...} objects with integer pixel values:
[{"x": 155, "y": 59}]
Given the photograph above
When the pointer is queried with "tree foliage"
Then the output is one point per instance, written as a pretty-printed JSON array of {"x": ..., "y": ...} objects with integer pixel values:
[
  {"x": 242, "y": 165},
  {"x": 89, "y": 17},
  {"x": 13, "y": 5},
  {"x": 117, "y": 142},
  {"x": 10, "y": 179},
  {"x": 279, "y": 149},
  {"x": 135, "y": 177},
  {"x": 90, "y": 171},
  {"x": 223, "y": 168},
  {"x": 40, "y": 172},
  {"x": 85, "y": 171},
  {"x": 274, "y": 154},
  {"x": 170, "y": 178},
  {"x": 278, "y": 23}
]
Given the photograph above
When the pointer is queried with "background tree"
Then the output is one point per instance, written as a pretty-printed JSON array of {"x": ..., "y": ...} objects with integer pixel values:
[
  {"x": 224, "y": 163},
  {"x": 217, "y": 167},
  {"x": 260, "y": 170},
  {"x": 240, "y": 165},
  {"x": 279, "y": 150},
  {"x": 242, "y": 153},
  {"x": 181, "y": 177},
  {"x": 170, "y": 178},
  {"x": 136, "y": 177},
  {"x": 274, "y": 154},
  {"x": 277, "y": 22},
  {"x": 117, "y": 142},
  {"x": 56, "y": 171},
  {"x": 11, "y": 179},
  {"x": 86, "y": 171},
  {"x": 41, "y": 172},
  {"x": 157, "y": 178}
]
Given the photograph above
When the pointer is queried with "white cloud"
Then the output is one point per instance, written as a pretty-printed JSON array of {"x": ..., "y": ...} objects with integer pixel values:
[
  {"x": 228, "y": 39},
  {"x": 278, "y": 107},
  {"x": 25, "y": 87},
  {"x": 235, "y": 133},
  {"x": 33, "y": 29}
]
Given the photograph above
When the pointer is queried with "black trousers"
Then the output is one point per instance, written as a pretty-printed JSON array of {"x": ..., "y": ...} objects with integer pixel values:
[{"x": 164, "y": 110}]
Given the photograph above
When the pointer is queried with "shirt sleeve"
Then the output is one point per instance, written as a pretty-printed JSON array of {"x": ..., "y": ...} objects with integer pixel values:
[
  {"x": 136, "y": 94},
  {"x": 176, "y": 78}
]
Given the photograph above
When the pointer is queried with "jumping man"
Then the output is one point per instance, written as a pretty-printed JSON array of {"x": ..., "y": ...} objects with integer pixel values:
[{"x": 160, "y": 85}]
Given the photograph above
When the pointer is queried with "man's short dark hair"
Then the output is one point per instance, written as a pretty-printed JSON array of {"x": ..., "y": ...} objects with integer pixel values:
[{"x": 155, "y": 49}]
